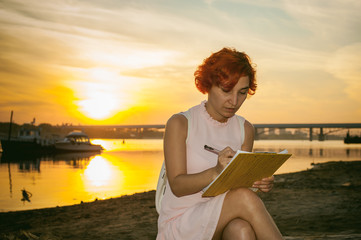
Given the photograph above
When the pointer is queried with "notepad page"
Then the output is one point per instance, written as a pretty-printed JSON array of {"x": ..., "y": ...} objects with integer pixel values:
[
  {"x": 238, "y": 152},
  {"x": 235, "y": 155}
]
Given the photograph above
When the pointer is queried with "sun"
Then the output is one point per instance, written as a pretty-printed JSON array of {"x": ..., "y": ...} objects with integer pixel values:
[
  {"x": 98, "y": 106},
  {"x": 100, "y": 96}
]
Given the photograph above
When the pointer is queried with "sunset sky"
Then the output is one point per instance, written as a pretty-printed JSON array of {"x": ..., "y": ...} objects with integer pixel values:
[{"x": 132, "y": 62}]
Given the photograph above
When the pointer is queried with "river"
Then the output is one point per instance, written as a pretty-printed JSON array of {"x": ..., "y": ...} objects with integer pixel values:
[{"x": 126, "y": 168}]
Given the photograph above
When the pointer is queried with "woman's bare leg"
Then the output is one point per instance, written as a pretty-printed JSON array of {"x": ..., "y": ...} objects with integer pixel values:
[
  {"x": 245, "y": 204},
  {"x": 238, "y": 229}
]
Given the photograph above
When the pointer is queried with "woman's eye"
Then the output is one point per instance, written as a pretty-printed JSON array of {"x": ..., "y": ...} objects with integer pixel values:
[
  {"x": 242, "y": 93},
  {"x": 225, "y": 90}
]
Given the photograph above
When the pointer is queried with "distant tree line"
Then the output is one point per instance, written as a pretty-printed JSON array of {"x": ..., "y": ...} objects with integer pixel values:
[{"x": 92, "y": 132}]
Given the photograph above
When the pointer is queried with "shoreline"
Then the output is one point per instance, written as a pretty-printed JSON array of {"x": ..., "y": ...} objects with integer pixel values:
[{"x": 319, "y": 203}]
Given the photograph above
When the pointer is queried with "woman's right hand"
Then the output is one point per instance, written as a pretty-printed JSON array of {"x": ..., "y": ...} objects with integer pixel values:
[{"x": 224, "y": 157}]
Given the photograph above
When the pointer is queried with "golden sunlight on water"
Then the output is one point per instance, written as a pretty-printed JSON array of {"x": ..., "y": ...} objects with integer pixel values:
[
  {"x": 98, "y": 172},
  {"x": 130, "y": 145},
  {"x": 121, "y": 169},
  {"x": 102, "y": 177},
  {"x": 119, "y": 173}
]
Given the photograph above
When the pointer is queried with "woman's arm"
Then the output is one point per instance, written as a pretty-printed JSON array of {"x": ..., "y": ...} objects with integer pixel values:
[
  {"x": 180, "y": 182},
  {"x": 248, "y": 137}
]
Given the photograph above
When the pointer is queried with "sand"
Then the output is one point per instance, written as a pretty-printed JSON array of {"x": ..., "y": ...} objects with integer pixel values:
[{"x": 321, "y": 203}]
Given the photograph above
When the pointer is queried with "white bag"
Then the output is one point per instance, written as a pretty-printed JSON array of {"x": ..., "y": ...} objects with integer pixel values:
[{"x": 162, "y": 182}]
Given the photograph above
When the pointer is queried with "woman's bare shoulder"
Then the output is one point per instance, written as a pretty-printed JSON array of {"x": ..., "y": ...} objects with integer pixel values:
[
  {"x": 248, "y": 126},
  {"x": 176, "y": 130},
  {"x": 177, "y": 119},
  {"x": 177, "y": 122},
  {"x": 249, "y": 137}
]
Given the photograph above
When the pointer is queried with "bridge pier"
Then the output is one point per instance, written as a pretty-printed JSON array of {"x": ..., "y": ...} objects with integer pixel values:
[
  {"x": 321, "y": 136},
  {"x": 311, "y": 133},
  {"x": 140, "y": 132}
]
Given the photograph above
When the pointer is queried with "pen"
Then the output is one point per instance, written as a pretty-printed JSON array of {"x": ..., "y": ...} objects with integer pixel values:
[{"x": 213, "y": 150}]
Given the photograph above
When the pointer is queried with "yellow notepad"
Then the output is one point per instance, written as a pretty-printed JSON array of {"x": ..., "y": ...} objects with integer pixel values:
[{"x": 244, "y": 169}]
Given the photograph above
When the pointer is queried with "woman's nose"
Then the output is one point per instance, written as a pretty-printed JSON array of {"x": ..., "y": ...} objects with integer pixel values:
[{"x": 234, "y": 99}]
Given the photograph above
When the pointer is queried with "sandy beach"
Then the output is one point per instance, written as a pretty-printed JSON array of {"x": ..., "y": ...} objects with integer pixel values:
[{"x": 320, "y": 203}]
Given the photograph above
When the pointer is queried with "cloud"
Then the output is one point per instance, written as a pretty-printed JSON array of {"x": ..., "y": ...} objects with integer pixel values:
[
  {"x": 345, "y": 64},
  {"x": 157, "y": 45},
  {"x": 331, "y": 22}
]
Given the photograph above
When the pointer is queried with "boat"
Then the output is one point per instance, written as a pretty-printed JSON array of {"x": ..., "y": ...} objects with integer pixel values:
[
  {"x": 77, "y": 141},
  {"x": 351, "y": 139},
  {"x": 28, "y": 141},
  {"x": 32, "y": 141}
]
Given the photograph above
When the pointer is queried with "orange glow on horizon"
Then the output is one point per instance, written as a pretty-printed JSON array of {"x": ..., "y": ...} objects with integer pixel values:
[
  {"x": 99, "y": 106},
  {"x": 99, "y": 93}
]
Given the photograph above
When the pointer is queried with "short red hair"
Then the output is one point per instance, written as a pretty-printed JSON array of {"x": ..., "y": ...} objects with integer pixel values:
[{"x": 225, "y": 68}]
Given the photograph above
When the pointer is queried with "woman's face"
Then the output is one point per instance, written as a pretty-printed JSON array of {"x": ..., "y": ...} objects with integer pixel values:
[{"x": 224, "y": 104}]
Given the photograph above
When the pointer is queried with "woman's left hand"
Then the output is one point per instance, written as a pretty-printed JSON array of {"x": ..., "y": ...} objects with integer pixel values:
[{"x": 265, "y": 185}]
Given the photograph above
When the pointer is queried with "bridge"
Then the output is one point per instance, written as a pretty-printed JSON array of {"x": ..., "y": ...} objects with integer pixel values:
[
  {"x": 310, "y": 126},
  {"x": 259, "y": 128}
]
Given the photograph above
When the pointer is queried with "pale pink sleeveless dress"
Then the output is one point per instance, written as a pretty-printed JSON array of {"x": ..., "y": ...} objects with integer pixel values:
[{"x": 193, "y": 217}]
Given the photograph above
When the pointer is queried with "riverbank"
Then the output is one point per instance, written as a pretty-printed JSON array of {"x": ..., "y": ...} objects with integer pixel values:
[{"x": 320, "y": 203}]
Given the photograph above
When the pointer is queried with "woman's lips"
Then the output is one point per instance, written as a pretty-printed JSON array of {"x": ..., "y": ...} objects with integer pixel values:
[{"x": 230, "y": 109}]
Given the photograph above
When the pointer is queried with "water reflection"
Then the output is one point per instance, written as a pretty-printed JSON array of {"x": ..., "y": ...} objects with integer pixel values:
[
  {"x": 39, "y": 177},
  {"x": 305, "y": 152},
  {"x": 31, "y": 163},
  {"x": 65, "y": 179},
  {"x": 327, "y": 149},
  {"x": 98, "y": 172},
  {"x": 124, "y": 168}
]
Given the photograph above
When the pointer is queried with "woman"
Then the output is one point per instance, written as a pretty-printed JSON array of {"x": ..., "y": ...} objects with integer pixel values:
[{"x": 227, "y": 77}]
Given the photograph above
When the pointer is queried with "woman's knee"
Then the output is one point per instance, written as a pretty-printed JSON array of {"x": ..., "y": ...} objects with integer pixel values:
[
  {"x": 244, "y": 197},
  {"x": 238, "y": 229},
  {"x": 243, "y": 203}
]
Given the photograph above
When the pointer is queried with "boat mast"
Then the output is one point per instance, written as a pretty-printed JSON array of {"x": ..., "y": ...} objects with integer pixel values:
[{"x": 10, "y": 125}]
